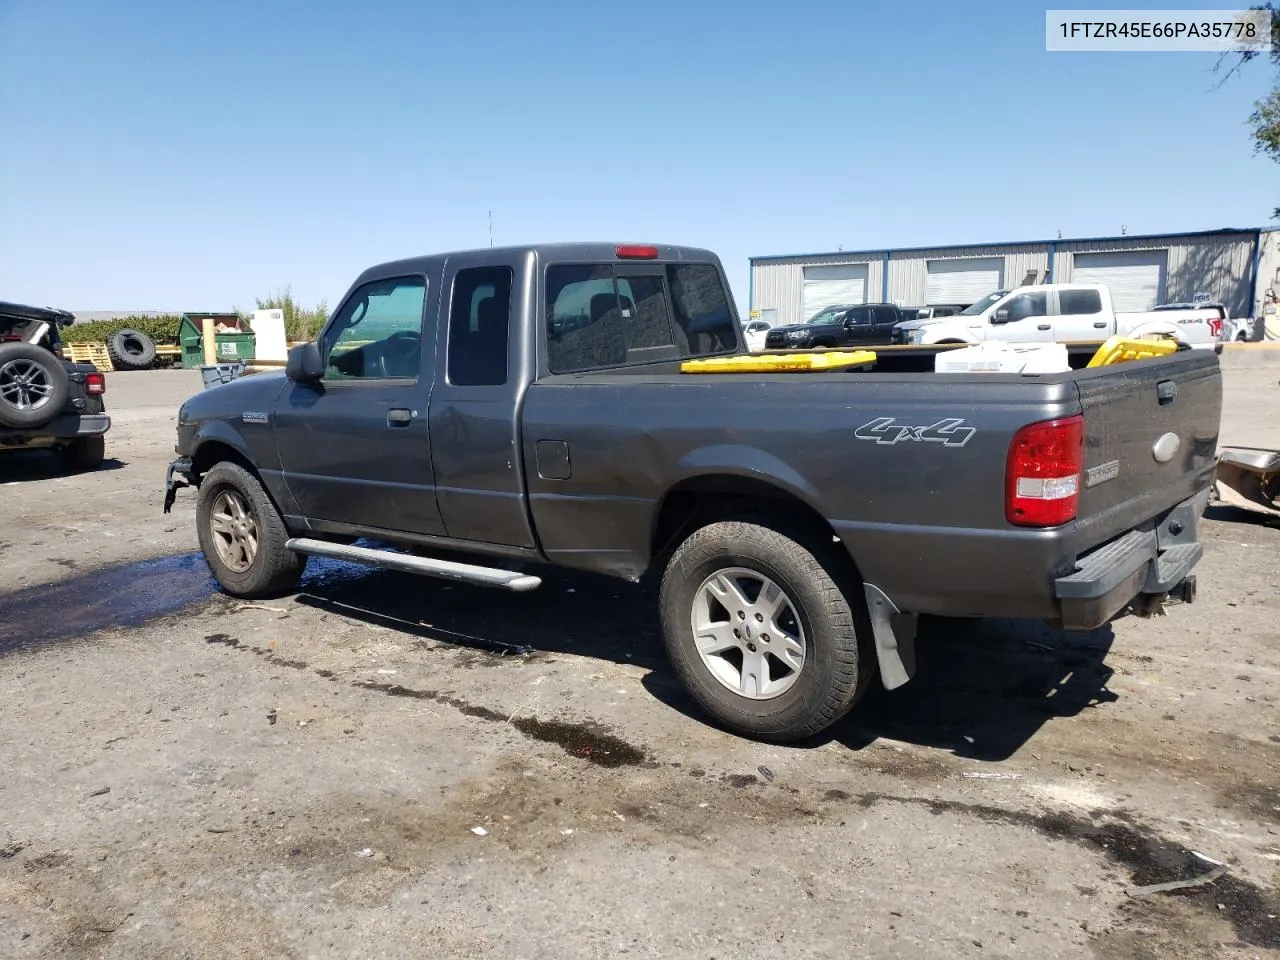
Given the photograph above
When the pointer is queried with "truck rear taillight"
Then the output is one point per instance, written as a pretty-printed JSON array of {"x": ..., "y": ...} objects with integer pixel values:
[
  {"x": 1043, "y": 471},
  {"x": 1215, "y": 328},
  {"x": 635, "y": 252},
  {"x": 95, "y": 384}
]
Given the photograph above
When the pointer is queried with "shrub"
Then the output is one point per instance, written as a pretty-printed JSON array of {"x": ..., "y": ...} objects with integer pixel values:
[
  {"x": 299, "y": 322},
  {"x": 161, "y": 329}
]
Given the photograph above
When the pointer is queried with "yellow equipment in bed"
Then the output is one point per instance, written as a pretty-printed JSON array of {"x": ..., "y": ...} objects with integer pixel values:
[
  {"x": 1122, "y": 349},
  {"x": 781, "y": 362}
]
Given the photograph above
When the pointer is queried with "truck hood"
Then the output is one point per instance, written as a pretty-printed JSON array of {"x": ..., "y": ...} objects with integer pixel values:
[
  {"x": 256, "y": 393},
  {"x": 806, "y": 328}
]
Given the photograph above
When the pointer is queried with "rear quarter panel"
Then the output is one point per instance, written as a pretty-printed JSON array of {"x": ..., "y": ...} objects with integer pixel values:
[{"x": 1191, "y": 326}]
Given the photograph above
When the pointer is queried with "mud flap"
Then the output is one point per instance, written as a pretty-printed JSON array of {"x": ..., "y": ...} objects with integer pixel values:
[{"x": 895, "y": 638}]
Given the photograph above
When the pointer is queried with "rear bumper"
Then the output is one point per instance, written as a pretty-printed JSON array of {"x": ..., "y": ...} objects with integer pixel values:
[
  {"x": 1060, "y": 575},
  {"x": 1141, "y": 566},
  {"x": 68, "y": 426}
]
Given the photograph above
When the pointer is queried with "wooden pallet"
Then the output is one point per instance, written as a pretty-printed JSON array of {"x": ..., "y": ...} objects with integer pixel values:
[{"x": 94, "y": 353}]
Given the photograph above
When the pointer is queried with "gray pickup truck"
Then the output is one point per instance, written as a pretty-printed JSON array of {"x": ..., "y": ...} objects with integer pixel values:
[{"x": 527, "y": 407}]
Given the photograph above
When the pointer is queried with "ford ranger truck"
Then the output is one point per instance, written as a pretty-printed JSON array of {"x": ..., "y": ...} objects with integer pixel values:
[{"x": 526, "y": 408}]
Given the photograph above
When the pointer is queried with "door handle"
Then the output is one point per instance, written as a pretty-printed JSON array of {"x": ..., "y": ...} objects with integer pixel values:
[
  {"x": 399, "y": 417},
  {"x": 1101, "y": 324},
  {"x": 1044, "y": 326}
]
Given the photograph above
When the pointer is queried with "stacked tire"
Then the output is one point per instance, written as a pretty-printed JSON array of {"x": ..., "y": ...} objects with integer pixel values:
[{"x": 131, "y": 350}]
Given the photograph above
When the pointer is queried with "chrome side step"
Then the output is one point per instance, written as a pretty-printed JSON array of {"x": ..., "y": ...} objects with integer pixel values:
[{"x": 427, "y": 567}]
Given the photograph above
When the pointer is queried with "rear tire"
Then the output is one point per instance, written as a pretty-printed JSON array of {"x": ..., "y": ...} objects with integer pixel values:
[
  {"x": 798, "y": 670},
  {"x": 83, "y": 454},
  {"x": 243, "y": 536}
]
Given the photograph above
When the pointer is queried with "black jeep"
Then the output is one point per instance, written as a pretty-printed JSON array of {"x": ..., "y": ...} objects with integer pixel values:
[{"x": 46, "y": 401}]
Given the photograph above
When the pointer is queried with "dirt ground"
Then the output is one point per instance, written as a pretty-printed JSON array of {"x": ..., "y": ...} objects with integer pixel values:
[{"x": 186, "y": 776}]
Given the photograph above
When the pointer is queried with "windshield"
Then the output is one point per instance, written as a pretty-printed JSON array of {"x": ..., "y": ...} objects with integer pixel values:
[
  {"x": 988, "y": 300},
  {"x": 830, "y": 315}
]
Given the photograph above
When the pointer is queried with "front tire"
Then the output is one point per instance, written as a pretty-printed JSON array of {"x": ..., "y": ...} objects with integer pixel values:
[
  {"x": 760, "y": 632},
  {"x": 243, "y": 536}
]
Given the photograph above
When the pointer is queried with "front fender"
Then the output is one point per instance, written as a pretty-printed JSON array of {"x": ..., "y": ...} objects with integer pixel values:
[
  {"x": 255, "y": 446},
  {"x": 953, "y": 336},
  {"x": 219, "y": 431}
]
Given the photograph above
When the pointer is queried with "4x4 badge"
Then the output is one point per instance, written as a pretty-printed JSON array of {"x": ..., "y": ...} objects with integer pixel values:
[{"x": 951, "y": 432}]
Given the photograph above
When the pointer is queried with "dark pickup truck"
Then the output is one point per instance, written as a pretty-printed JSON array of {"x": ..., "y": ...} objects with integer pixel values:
[
  {"x": 865, "y": 323},
  {"x": 527, "y": 406}
]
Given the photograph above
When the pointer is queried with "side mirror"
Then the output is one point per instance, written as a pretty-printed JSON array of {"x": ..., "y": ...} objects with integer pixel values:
[
  {"x": 1000, "y": 316},
  {"x": 305, "y": 364}
]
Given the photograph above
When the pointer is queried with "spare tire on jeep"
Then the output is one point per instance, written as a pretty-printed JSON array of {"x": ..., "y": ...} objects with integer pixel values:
[
  {"x": 33, "y": 385},
  {"x": 131, "y": 350}
]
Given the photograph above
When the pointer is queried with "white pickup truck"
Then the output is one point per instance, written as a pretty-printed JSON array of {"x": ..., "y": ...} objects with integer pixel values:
[{"x": 1061, "y": 312}]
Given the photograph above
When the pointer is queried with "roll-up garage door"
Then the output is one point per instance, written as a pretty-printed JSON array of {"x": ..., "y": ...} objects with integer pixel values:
[
  {"x": 962, "y": 281},
  {"x": 1135, "y": 277},
  {"x": 828, "y": 286}
]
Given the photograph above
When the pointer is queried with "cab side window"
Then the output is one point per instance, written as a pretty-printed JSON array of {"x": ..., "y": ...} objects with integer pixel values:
[
  {"x": 1026, "y": 305},
  {"x": 377, "y": 333},
  {"x": 480, "y": 326},
  {"x": 1076, "y": 302}
]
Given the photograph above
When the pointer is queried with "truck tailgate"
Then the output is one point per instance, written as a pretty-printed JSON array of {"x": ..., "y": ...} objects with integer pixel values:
[{"x": 1151, "y": 434}]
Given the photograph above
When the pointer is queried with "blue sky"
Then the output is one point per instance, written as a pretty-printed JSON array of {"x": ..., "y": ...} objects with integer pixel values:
[{"x": 161, "y": 155}]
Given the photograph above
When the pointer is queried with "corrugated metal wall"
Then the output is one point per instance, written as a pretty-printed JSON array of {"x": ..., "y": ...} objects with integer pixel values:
[
  {"x": 1219, "y": 265},
  {"x": 908, "y": 272},
  {"x": 776, "y": 285}
]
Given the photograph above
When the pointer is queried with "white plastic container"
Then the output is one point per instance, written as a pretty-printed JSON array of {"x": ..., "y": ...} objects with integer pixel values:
[{"x": 1000, "y": 356}]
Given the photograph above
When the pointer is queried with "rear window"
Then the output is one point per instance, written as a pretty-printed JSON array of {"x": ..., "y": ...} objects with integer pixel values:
[
  {"x": 609, "y": 315},
  {"x": 1072, "y": 302}
]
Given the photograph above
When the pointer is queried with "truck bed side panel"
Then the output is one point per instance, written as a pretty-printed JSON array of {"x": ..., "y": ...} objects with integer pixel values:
[{"x": 855, "y": 448}]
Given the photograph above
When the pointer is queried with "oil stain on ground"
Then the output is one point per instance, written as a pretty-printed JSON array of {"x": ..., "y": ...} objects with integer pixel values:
[
  {"x": 123, "y": 596},
  {"x": 1251, "y": 911},
  {"x": 580, "y": 740},
  {"x": 227, "y": 640}
]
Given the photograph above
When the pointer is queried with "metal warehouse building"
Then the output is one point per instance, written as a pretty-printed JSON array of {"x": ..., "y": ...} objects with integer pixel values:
[{"x": 1142, "y": 271}]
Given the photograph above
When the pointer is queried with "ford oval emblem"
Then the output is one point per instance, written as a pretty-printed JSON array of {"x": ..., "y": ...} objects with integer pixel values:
[{"x": 1165, "y": 447}]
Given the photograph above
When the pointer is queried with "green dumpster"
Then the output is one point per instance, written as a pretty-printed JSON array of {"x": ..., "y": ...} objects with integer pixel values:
[{"x": 233, "y": 340}]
